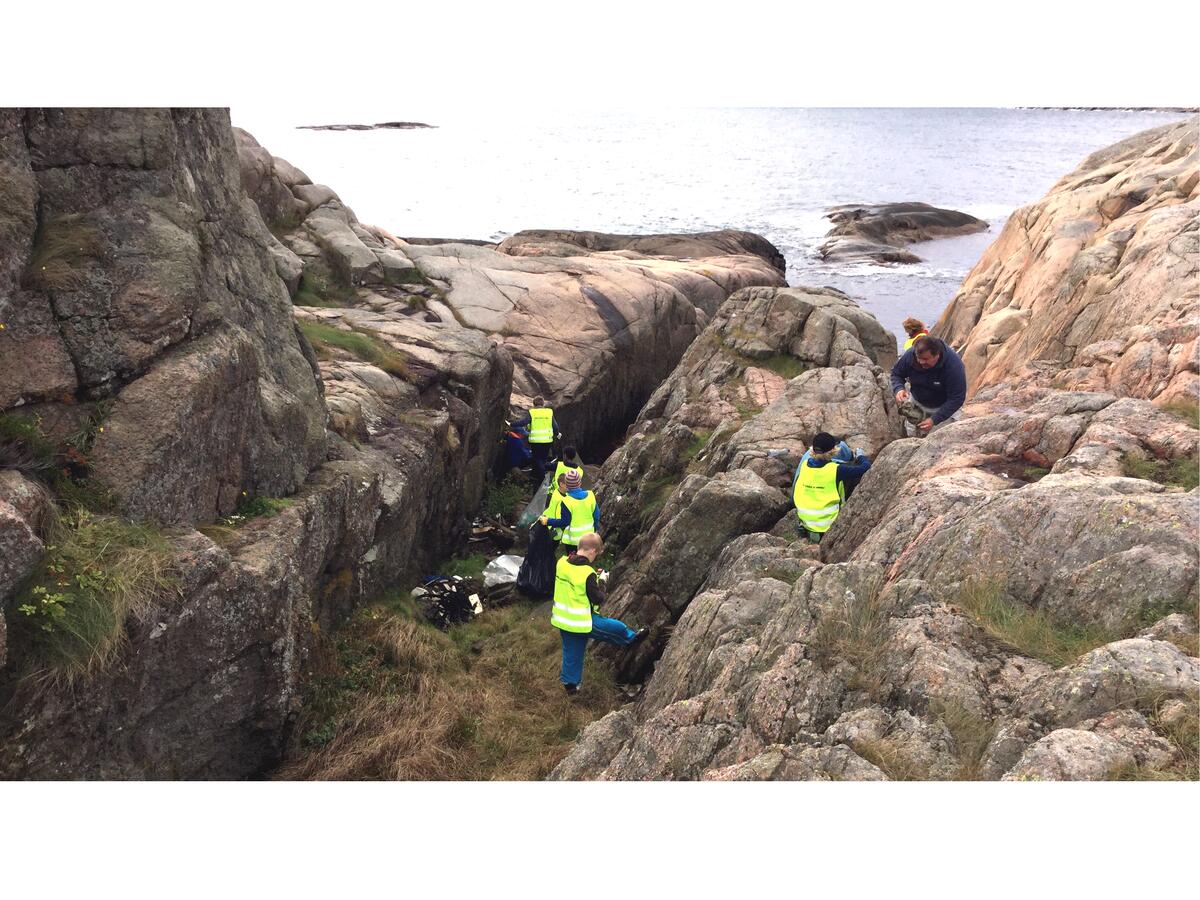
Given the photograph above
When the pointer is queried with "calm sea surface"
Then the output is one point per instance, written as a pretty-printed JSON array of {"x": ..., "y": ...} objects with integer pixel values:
[{"x": 772, "y": 171}]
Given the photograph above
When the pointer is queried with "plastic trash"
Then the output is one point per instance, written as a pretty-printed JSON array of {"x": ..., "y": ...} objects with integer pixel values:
[
  {"x": 445, "y": 602},
  {"x": 502, "y": 570},
  {"x": 536, "y": 577},
  {"x": 537, "y": 505}
]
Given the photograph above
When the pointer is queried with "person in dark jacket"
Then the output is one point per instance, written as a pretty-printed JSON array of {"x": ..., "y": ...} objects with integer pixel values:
[{"x": 936, "y": 382}]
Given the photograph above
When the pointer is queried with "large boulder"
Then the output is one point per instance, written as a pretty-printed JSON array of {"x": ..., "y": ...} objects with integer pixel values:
[
  {"x": 1094, "y": 287},
  {"x": 147, "y": 290}
]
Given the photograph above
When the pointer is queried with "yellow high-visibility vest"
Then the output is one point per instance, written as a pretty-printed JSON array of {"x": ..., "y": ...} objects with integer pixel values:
[
  {"x": 541, "y": 425},
  {"x": 571, "y": 610},
  {"x": 817, "y": 496},
  {"x": 561, "y": 469},
  {"x": 912, "y": 340},
  {"x": 554, "y": 511},
  {"x": 582, "y": 518}
]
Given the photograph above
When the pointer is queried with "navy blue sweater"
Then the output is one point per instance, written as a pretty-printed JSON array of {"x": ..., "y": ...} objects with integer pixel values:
[{"x": 942, "y": 388}]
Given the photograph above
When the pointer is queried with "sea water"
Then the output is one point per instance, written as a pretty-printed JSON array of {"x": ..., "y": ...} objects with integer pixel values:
[{"x": 487, "y": 174}]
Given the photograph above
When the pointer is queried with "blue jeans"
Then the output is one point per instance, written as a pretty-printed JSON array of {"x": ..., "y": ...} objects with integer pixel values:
[{"x": 611, "y": 631}]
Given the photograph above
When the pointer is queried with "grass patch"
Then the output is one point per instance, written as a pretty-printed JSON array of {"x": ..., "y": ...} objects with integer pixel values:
[
  {"x": 854, "y": 630},
  {"x": 98, "y": 570},
  {"x": 364, "y": 345},
  {"x": 892, "y": 759},
  {"x": 397, "y": 699},
  {"x": 1183, "y": 472},
  {"x": 505, "y": 500},
  {"x": 971, "y": 733},
  {"x": 1031, "y": 632},
  {"x": 655, "y": 495},
  {"x": 64, "y": 253},
  {"x": 470, "y": 567},
  {"x": 319, "y": 290},
  {"x": 1183, "y": 731},
  {"x": 1186, "y": 410},
  {"x": 781, "y": 364},
  {"x": 405, "y": 276}
]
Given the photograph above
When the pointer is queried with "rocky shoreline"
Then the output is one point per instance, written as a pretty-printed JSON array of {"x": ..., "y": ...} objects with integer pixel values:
[
  {"x": 204, "y": 349},
  {"x": 879, "y": 233}
]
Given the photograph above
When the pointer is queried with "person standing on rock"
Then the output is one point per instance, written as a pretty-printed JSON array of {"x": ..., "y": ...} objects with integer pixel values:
[
  {"x": 542, "y": 429},
  {"x": 930, "y": 384},
  {"x": 914, "y": 328},
  {"x": 569, "y": 463},
  {"x": 822, "y": 484},
  {"x": 575, "y": 613},
  {"x": 578, "y": 511}
]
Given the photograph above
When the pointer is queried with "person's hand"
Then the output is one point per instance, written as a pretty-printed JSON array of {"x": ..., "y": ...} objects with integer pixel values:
[
  {"x": 925, "y": 424},
  {"x": 542, "y": 520},
  {"x": 902, "y": 396}
]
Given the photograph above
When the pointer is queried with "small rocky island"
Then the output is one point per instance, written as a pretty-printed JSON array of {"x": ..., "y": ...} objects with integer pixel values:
[{"x": 880, "y": 233}]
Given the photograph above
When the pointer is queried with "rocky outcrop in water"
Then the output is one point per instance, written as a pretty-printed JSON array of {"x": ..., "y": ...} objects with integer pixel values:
[
  {"x": 1095, "y": 286},
  {"x": 593, "y": 321},
  {"x": 892, "y": 652},
  {"x": 171, "y": 371},
  {"x": 879, "y": 233}
]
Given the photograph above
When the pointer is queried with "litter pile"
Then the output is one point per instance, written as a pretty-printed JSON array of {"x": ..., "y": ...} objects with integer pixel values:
[{"x": 447, "y": 601}]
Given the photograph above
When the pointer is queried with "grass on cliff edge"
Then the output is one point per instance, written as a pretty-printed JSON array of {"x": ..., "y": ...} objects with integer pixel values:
[
  {"x": 391, "y": 697},
  {"x": 69, "y": 621},
  {"x": 366, "y": 347}
]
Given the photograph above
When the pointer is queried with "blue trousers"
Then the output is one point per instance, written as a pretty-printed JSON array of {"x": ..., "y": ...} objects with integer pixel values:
[{"x": 611, "y": 631}]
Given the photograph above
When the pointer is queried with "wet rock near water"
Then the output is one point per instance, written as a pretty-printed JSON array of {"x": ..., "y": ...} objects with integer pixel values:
[{"x": 880, "y": 232}]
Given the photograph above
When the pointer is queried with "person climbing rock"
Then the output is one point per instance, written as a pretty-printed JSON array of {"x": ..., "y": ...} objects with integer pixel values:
[
  {"x": 578, "y": 511},
  {"x": 822, "y": 484},
  {"x": 542, "y": 429},
  {"x": 914, "y": 328},
  {"x": 569, "y": 463},
  {"x": 930, "y": 384},
  {"x": 576, "y": 610}
]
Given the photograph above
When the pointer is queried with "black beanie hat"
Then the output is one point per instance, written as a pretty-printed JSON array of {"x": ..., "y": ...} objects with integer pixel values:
[{"x": 824, "y": 442}]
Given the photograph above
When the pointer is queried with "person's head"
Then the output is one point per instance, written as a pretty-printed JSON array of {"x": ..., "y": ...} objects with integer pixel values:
[
  {"x": 562, "y": 482},
  {"x": 539, "y": 401},
  {"x": 571, "y": 480},
  {"x": 927, "y": 351},
  {"x": 591, "y": 546},
  {"x": 570, "y": 453},
  {"x": 823, "y": 445},
  {"x": 913, "y": 327}
]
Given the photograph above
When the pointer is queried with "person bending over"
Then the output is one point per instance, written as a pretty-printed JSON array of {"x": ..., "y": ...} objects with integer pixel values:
[
  {"x": 932, "y": 376},
  {"x": 822, "y": 484}
]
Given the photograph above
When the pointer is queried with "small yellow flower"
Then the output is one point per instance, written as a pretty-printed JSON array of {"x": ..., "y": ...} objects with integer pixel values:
[{"x": 102, "y": 429}]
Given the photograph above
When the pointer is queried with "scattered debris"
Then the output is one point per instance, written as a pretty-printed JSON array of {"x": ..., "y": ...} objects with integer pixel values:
[
  {"x": 502, "y": 570},
  {"x": 446, "y": 601}
]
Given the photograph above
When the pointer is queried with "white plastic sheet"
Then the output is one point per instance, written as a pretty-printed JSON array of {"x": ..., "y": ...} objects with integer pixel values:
[{"x": 502, "y": 570}]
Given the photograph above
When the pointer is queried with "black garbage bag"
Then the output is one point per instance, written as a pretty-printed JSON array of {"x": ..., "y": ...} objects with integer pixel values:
[{"x": 536, "y": 575}]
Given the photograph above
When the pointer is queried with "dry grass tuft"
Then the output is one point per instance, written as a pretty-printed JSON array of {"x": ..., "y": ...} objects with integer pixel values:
[
  {"x": 855, "y": 630},
  {"x": 892, "y": 759},
  {"x": 400, "y": 700},
  {"x": 1031, "y": 632},
  {"x": 972, "y": 734}
]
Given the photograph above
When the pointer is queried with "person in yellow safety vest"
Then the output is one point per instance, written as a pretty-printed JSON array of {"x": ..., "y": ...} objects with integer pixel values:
[
  {"x": 570, "y": 460},
  {"x": 569, "y": 463},
  {"x": 914, "y": 328},
  {"x": 542, "y": 429},
  {"x": 578, "y": 512},
  {"x": 822, "y": 484},
  {"x": 575, "y": 613}
]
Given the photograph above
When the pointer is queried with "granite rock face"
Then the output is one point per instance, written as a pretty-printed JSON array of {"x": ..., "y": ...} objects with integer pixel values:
[
  {"x": 888, "y": 651},
  {"x": 135, "y": 277},
  {"x": 1095, "y": 286},
  {"x": 592, "y": 321},
  {"x": 168, "y": 298},
  {"x": 879, "y": 233}
]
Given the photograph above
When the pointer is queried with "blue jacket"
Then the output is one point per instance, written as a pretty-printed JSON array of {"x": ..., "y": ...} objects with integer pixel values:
[
  {"x": 942, "y": 388},
  {"x": 565, "y": 521},
  {"x": 848, "y": 473}
]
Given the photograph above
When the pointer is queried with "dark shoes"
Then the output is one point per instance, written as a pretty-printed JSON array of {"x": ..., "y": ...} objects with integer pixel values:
[
  {"x": 571, "y": 689},
  {"x": 639, "y": 636}
]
